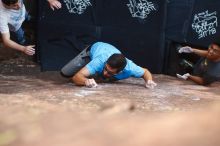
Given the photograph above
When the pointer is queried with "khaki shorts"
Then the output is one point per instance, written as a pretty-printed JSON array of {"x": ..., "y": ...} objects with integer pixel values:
[{"x": 77, "y": 63}]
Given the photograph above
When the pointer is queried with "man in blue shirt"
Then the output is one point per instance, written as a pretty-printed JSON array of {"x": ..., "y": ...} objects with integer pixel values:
[{"x": 107, "y": 62}]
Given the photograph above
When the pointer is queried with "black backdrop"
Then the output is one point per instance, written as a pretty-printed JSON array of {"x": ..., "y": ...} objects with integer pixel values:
[
  {"x": 62, "y": 35},
  {"x": 204, "y": 28},
  {"x": 181, "y": 22}
]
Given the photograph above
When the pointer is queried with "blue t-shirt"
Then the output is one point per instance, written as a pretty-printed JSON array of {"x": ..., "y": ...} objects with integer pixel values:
[{"x": 99, "y": 54}]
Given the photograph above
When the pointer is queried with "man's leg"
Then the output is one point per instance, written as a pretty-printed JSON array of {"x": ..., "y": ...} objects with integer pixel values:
[
  {"x": 72, "y": 67},
  {"x": 19, "y": 36},
  {"x": 27, "y": 16}
]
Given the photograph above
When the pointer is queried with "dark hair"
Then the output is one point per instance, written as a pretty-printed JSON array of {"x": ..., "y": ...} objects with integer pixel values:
[
  {"x": 9, "y": 2},
  {"x": 216, "y": 43},
  {"x": 117, "y": 61}
]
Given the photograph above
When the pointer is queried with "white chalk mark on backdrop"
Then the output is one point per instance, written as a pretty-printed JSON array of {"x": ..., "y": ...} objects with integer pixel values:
[
  {"x": 140, "y": 8},
  {"x": 77, "y": 6},
  {"x": 205, "y": 24}
]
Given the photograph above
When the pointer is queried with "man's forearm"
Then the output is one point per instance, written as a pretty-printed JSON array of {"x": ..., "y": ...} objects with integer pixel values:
[
  {"x": 14, "y": 45},
  {"x": 79, "y": 79},
  {"x": 11, "y": 44},
  {"x": 201, "y": 53},
  {"x": 196, "y": 79}
]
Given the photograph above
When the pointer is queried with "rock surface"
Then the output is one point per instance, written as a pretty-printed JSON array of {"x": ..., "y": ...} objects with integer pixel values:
[{"x": 42, "y": 109}]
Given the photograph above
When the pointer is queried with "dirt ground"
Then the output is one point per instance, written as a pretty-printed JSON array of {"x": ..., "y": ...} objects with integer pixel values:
[{"x": 43, "y": 109}]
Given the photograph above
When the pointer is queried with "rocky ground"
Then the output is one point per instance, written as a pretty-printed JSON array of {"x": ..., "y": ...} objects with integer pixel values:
[{"x": 42, "y": 109}]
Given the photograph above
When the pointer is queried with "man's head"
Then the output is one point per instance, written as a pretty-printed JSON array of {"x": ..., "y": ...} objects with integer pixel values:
[
  {"x": 12, "y": 4},
  {"x": 213, "y": 52},
  {"x": 114, "y": 65}
]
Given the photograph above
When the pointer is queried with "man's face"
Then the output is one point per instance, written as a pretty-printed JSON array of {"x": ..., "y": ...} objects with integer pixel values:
[
  {"x": 109, "y": 71},
  {"x": 213, "y": 52},
  {"x": 15, "y": 6}
]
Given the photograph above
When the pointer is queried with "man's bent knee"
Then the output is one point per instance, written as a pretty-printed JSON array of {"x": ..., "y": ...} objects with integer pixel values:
[{"x": 65, "y": 75}]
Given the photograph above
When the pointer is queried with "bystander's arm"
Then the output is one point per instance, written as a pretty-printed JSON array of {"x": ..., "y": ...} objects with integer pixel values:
[
  {"x": 196, "y": 79},
  {"x": 29, "y": 50},
  {"x": 201, "y": 53}
]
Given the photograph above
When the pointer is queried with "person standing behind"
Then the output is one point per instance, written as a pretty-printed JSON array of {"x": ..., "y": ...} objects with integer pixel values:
[
  {"x": 207, "y": 69},
  {"x": 12, "y": 15}
]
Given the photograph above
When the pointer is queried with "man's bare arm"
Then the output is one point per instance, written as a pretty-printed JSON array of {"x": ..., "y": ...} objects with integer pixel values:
[
  {"x": 201, "y": 53},
  {"x": 11, "y": 44},
  {"x": 147, "y": 75},
  {"x": 196, "y": 79},
  {"x": 80, "y": 77},
  {"x": 29, "y": 50}
]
